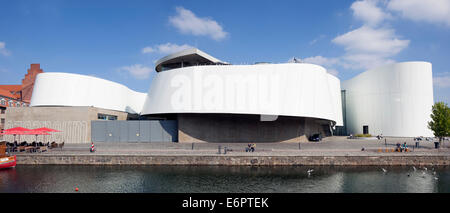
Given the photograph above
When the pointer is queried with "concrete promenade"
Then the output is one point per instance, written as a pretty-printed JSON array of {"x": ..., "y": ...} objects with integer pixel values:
[{"x": 330, "y": 151}]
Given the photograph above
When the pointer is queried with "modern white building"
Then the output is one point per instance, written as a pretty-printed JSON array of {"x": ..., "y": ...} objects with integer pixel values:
[{"x": 214, "y": 101}]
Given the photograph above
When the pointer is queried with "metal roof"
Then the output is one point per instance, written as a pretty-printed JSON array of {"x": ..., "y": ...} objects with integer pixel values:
[{"x": 192, "y": 55}]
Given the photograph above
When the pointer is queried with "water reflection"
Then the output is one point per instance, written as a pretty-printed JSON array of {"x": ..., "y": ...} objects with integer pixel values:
[
  {"x": 223, "y": 179},
  {"x": 393, "y": 181}
]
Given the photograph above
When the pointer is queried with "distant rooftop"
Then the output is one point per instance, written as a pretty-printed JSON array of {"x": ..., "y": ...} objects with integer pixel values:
[{"x": 186, "y": 58}]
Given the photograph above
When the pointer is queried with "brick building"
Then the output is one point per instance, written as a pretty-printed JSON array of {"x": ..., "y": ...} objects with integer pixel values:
[{"x": 18, "y": 95}]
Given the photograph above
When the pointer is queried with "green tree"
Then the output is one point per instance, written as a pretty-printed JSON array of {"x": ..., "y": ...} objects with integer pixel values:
[{"x": 440, "y": 121}]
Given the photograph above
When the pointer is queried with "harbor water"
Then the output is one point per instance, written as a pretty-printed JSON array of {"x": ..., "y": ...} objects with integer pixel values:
[{"x": 218, "y": 179}]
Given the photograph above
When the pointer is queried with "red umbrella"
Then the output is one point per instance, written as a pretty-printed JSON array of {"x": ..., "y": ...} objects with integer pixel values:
[
  {"x": 35, "y": 132},
  {"x": 12, "y": 133},
  {"x": 16, "y": 131},
  {"x": 19, "y": 129},
  {"x": 45, "y": 129}
]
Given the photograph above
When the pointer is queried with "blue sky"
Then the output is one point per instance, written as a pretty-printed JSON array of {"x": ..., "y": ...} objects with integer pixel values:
[{"x": 121, "y": 40}]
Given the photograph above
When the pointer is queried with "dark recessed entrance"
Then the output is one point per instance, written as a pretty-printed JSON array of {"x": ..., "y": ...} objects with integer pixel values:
[{"x": 365, "y": 129}]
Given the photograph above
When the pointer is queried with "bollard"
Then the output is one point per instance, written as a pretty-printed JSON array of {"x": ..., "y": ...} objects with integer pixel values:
[
  {"x": 436, "y": 145},
  {"x": 220, "y": 151},
  {"x": 224, "y": 150},
  {"x": 298, "y": 145},
  {"x": 192, "y": 146}
]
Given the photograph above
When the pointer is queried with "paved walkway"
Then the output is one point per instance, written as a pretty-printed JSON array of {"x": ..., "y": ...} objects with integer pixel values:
[{"x": 331, "y": 146}]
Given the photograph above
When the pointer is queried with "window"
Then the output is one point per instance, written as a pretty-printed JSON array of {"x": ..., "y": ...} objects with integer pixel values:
[
  {"x": 24, "y": 104},
  {"x": 101, "y": 117},
  {"x": 3, "y": 101},
  {"x": 3, "y": 121},
  {"x": 107, "y": 117},
  {"x": 18, "y": 104},
  {"x": 11, "y": 103}
]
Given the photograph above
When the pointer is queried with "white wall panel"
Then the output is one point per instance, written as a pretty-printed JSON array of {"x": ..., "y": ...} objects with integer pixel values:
[
  {"x": 293, "y": 89},
  {"x": 393, "y": 100},
  {"x": 66, "y": 89}
]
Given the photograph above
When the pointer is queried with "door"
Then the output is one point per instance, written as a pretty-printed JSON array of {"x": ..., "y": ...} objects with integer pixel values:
[{"x": 365, "y": 129}]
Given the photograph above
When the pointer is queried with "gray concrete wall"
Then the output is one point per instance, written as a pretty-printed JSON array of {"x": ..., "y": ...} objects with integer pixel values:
[
  {"x": 234, "y": 128},
  {"x": 224, "y": 160},
  {"x": 134, "y": 131},
  {"x": 73, "y": 122}
]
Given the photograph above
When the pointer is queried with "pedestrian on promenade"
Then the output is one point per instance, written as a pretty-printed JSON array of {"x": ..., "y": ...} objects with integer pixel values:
[
  {"x": 248, "y": 148},
  {"x": 398, "y": 149},
  {"x": 253, "y": 146}
]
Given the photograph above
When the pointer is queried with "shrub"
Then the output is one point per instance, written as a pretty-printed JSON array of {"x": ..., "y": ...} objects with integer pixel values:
[{"x": 363, "y": 135}]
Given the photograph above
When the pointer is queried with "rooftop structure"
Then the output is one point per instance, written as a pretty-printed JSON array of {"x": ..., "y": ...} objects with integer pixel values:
[{"x": 186, "y": 58}]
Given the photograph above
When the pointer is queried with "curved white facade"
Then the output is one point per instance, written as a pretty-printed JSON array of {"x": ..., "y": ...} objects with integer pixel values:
[
  {"x": 293, "y": 89},
  {"x": 66, "y": 89},
  {"x": 393, "y": 100}
]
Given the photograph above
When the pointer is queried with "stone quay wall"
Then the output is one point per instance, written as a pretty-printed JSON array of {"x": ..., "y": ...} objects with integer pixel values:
[{"x": 223, "y": 160}]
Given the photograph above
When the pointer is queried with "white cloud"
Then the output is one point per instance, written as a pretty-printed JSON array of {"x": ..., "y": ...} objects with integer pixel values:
[
  {"x": 375, "y": 42},
  {"x": 367, "y": 47},
  {"x": 369, "y": 40},
  {"x": 316, "y": 39},
  {"x": 138, "y": 71},
  {"x": 369, "y": 12},
  {"x": 320, "y": 60},
  {"x": 3, "y": 50},
  {"x": 148, "y": 50},
  {"x": 328, "y": 63},
  {"x": 166, "y": 48},
  {"x": 333, "y": 72},
  {"x": 442, "y": 80},
  {"x": 432, "y": 11},
  {"x": 364, "y": 61},
  {"x": 188, "y": 23}
]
